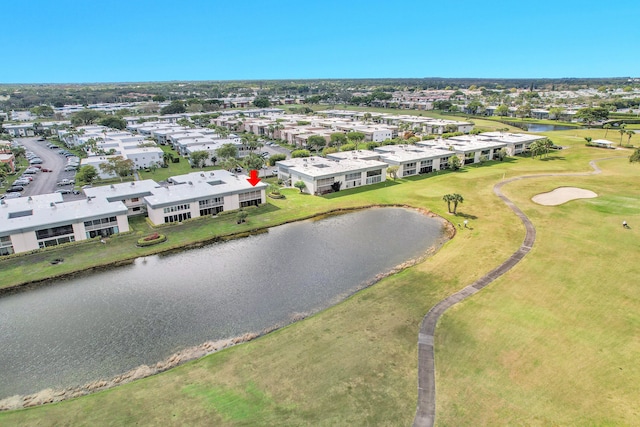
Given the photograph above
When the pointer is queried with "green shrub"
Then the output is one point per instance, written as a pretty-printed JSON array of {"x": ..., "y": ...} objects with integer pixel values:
[
  {"x": 276, "y": 158},
  {"x": 300, "y": 153}
]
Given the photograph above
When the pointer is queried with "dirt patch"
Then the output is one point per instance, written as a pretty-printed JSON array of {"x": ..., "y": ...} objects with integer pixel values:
[{"x": 562, "y": 195}]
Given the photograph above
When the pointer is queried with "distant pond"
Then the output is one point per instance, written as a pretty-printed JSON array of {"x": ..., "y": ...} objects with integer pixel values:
[
  {"x": 535, "y": 127},
  {"x": 99, "y": 325}
]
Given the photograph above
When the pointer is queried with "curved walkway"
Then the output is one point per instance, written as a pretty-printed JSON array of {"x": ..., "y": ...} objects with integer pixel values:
[{"x": 426, "y": 410}]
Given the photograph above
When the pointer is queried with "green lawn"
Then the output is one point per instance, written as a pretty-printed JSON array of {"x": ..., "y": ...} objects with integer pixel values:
[{"x": 552, "y": 342}]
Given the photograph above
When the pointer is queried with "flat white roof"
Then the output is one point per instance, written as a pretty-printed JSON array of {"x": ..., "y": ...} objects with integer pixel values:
[
  {"x": 512, "y": 138},
  {"x": 355, "y": 154},
  {"x": 124, "y": 190},
  {"x": 407, "y": 153},
  {"x": 200, "y": 185},
  {"x": 318, "y": 167},
  {"x": 48, "y": 210}
]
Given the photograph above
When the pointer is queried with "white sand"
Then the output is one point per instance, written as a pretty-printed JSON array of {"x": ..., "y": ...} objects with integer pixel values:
[{"x": 563, "y": 195}]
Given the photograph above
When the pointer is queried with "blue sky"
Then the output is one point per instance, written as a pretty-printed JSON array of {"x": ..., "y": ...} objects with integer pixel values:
[{"x": 78, "y": 41}]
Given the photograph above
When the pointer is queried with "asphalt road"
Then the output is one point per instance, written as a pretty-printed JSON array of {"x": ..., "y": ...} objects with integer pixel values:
[{"x": 45, "y": 182}]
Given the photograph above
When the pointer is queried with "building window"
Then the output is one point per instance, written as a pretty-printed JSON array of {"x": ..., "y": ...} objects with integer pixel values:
[
  {"x": 324, "y": 185},
  {"x": 469, "y": 158},
  {"x": 250, "y": 198},
  {"x": 216, "y": 201},
  {"x": 103, "y": 227},
  {"x": 178, "y": 217},
  {"x": 135, "y": 199},
  {"x": 177, "y": 208},
  {"x": 409, "y": 169},
  {"x": 54, "y": 232},
  {"x": 6, "y": 247}
]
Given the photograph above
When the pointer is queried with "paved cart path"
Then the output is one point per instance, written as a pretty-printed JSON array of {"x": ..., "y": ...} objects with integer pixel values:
[{"x": 426, "y": 410}]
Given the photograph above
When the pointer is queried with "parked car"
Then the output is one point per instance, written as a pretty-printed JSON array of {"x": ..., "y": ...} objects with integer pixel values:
[
  {"x": 46, "y": 170},
  {"x": 11, "y": 195},
  {"x": 27, "y": 177},
  {"x": 15, "y": 189},
  {"x": 64, "y": 191},
  {"x": 70, "y": 168},
  {"x": 22, "y": 182},
  {"x": 66, "y": 182},
  {"x": 52, "y": 146},
  {"x": 30, "y": 171},
  {"x": 35, "y": 161}
]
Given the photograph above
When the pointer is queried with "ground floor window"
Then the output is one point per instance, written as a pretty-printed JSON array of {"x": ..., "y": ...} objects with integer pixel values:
[
  {"x": 56, "y": 242},
  {"x": 6, "y": 247},
  {"x": 104, "y": 232},
  {"x": 211, "y": 211},
  {"x": 426, "y": 169},
  {"x": 255, "y": 202},
  {"x": 178, "y": 217},
  {"x": 354, "y": 183},
  {"x": 250, "y": 198}
]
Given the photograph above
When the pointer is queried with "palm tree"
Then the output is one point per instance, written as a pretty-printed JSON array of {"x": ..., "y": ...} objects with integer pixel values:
[
  {"x": 622, "y": 132},
  {"x": 229, "y": 163},
  {"x": 456, "y": 198},
  {"x": 606, "y": 128},
  {"x": 630, "y": 133},
  {"x": 448, "y": 198},
  {"x": 535, "y": 148},
  {"x": 167, "y": 157}
]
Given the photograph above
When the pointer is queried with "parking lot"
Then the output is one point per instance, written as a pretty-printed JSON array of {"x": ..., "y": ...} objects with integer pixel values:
[{"x": 46, "y": 182}]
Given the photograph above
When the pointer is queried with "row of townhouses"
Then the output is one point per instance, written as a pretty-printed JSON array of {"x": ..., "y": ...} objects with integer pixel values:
[
  {"x": 46, "y": 220},
  {"x": 350, "y": 169}
]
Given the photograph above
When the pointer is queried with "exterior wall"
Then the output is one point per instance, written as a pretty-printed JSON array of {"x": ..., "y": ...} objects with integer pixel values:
[
  {"x": 27, "y": 241},
  {"x": 144, "y": 160},
  {"x": 23, "y": 242}
]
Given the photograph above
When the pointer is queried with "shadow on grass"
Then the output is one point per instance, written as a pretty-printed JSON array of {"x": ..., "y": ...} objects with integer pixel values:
[
  {"x": 362, "y": 189},
  {"x": 548, "y": 159},
  {"x": 466, "y": 216}
]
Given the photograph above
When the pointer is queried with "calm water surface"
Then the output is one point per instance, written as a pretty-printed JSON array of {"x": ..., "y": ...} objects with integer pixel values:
[
  {"x": 103, "y": 324},
  {"x": 535, "y": 127}
]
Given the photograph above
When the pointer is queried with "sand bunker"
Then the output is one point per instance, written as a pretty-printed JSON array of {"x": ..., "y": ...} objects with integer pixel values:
[{"x": 563, "y": 195}]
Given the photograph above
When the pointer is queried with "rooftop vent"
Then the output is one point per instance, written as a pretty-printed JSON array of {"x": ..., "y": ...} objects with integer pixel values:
[
  {"x": 112, "y": 187},
  {"x": 53, "y": 205},
  {"x": 190, "y": 183},
  {"x": 133, "y": 183}
]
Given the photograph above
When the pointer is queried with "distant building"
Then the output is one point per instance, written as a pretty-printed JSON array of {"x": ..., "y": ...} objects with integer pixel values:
[{"x": 324, "y": 175}]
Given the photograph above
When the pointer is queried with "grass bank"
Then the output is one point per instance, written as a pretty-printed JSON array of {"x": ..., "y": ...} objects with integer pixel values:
[{"x": 551, "y": 342}]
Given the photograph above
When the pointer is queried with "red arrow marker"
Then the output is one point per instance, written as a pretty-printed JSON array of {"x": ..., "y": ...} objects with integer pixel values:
[{"x": 253, "y": 180}]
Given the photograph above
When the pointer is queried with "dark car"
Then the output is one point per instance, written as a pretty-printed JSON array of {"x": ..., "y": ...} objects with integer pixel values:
[
  {"x": 64, "y": 191},
  {"x": 15, "y": 189}
]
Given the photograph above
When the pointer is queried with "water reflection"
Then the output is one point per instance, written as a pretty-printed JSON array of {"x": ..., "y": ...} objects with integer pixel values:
[{"x": 103, "y": 324}]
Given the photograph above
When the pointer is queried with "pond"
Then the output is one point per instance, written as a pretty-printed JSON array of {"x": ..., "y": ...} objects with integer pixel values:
[
  {"x": 100, "y": 325},
  {"x": 536, "y": 127}
]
